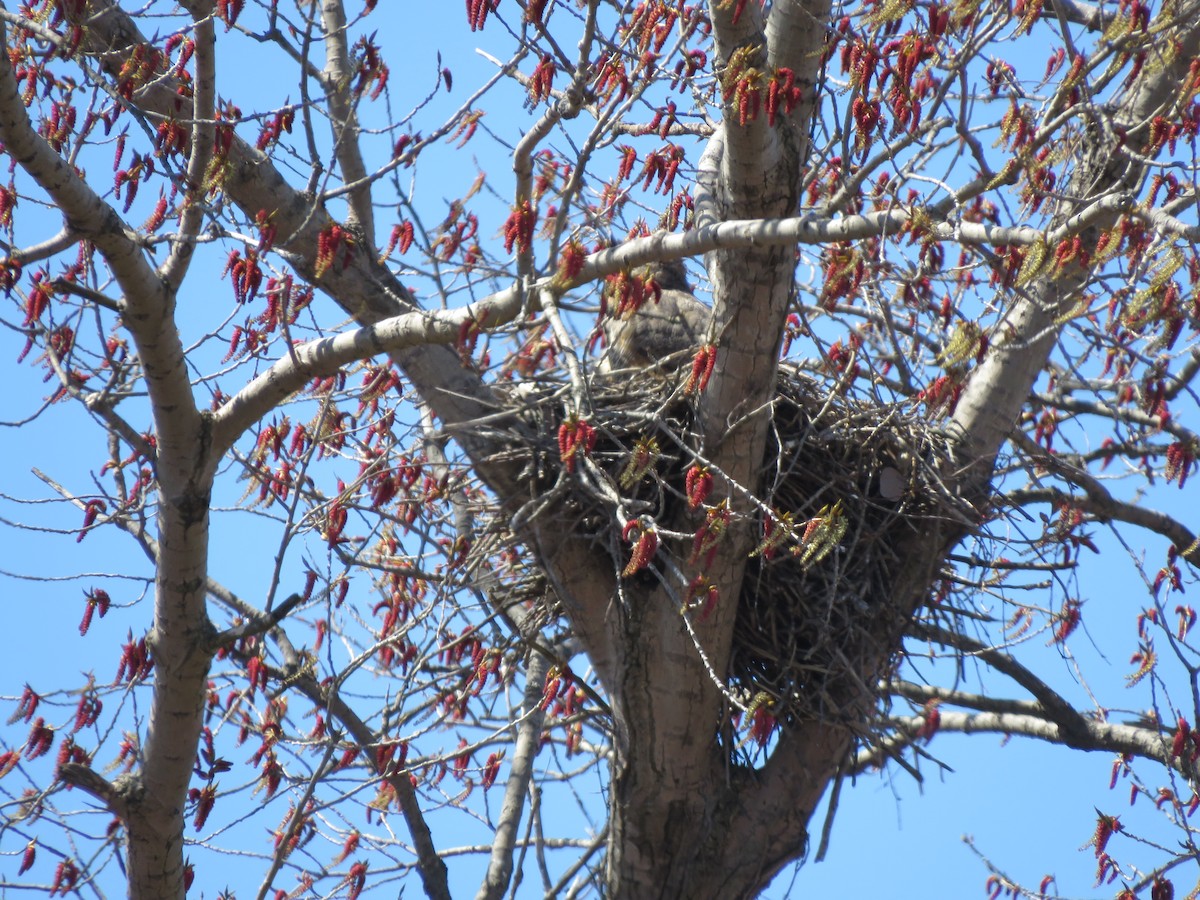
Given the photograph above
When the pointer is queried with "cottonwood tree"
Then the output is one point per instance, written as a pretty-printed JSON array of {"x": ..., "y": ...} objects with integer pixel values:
[{"x": 348, "y": 310}]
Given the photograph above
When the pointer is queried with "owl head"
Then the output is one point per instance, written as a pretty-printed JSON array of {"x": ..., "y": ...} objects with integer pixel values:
[
  {"x": 669, "y": 276},
  {"x": 661, "y": 328}
]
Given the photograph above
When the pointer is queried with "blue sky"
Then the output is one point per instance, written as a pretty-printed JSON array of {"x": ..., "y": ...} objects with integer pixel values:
[{"x": 1029, "y": 808}]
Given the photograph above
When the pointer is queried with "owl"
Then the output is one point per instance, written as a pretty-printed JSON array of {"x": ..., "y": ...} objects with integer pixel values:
[{"x": 657, "y": 330}]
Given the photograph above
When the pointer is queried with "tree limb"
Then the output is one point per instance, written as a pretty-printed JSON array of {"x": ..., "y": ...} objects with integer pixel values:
[
  {"x": 529, "y": 735},
  {"x": 1100, "y": 502}
]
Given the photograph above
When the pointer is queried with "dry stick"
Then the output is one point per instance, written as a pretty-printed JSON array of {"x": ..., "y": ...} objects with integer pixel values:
[{"x": 835, "y": 794}]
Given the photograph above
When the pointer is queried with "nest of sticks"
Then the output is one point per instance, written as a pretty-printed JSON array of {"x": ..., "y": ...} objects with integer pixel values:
[{"x": 817, "y": 617}]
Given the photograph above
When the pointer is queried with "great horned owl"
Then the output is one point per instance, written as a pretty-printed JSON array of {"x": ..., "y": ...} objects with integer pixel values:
[{"x": 677, "y": 321}]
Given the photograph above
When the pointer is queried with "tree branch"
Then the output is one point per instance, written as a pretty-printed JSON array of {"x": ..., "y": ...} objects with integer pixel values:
[
  {"x": 260, "y": 624},
  {"x": 529, "y": 735},
  {"x": 200, "y": 145},
  {"x": 1101, "y": 503},
  {"x": 337, "y": 79},
  {"x": 429, "y": 864},
  {"x": 1070, "y": 722},
  {"x": 999, "y": 386},
  {"x": 326, "y": 355},
  {"x": 1097, "y": 736},
  {"x": 114, "y": 795}
]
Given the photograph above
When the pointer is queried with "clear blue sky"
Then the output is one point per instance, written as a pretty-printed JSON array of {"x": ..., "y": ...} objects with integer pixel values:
[{"x": 1029, "y": 808}]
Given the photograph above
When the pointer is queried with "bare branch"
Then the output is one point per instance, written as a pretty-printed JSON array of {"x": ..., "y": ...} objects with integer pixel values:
[
  {"x": 200, "y": 146},
  {"x": 529, "y": 734},
  {"x": 1070, "y": 723},
  {"x": 337, "y": 80},
  {"x": 1096, "y": 737},
  {"x": 1100, "y": 502}
]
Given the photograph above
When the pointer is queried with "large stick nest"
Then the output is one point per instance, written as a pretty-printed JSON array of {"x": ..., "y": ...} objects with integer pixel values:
[{"x": 813, "y": 629}]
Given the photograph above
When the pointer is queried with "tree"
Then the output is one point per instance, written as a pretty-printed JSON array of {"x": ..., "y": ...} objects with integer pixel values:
[{"x": 953, "y": 333}]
